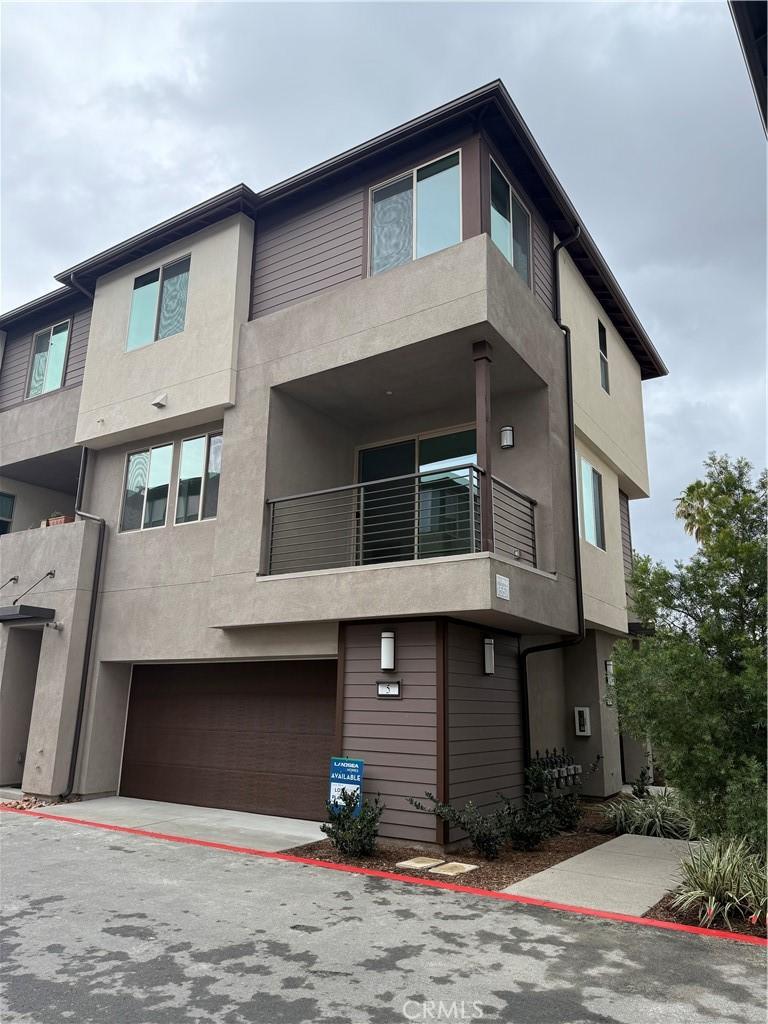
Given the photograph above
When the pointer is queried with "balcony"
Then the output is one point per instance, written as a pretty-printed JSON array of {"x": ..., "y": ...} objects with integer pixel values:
[{"x": 437, "y": 514}]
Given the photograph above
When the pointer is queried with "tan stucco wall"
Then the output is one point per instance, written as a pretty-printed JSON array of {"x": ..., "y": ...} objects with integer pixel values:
[
  {"x": 613, "y": 423},
  {"x": 34, "y": 504},
  {"x": 19, "y": 653},
  {"x": 39, "y": 426},
  {"x": 196, "y": 368},
  {"x": 604, "y": 585}
]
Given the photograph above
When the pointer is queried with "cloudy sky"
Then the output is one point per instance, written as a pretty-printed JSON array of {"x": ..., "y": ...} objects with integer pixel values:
[{"x": 116, "y": 116}]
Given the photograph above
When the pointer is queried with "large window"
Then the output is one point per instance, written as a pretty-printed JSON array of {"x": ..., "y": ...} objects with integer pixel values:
[
  {"x": 510, "y": 224},
  {"x": 417, "y": 214},
  {"x": 7, "y": 501},
  {"x": 199, "y": 473},
  {"x": 593, "y": 522},
  {"x": 147, "y": 480},
  {"x": 159, "y": 304},
  {"x": 49, "y": 353},
  {"x": 602, "y": 341}
]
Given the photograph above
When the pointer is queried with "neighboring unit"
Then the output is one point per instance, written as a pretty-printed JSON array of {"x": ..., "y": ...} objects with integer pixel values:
[{"x": 304, "y": 473}]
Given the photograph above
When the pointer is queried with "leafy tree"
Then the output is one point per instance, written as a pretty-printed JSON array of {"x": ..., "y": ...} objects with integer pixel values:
[{"x": 696, "y": 683}]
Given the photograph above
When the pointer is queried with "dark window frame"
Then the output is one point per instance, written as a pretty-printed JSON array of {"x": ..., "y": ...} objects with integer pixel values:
[
  {"x": 69, "y": 321},
  {"x": 161, "y": 271},
  {"x": 7, "y": 519},
  {"x": 602, "y": 342}
]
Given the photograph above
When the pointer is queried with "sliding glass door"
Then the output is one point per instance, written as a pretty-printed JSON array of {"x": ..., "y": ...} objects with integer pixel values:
[{"x": 429, "y": 515}]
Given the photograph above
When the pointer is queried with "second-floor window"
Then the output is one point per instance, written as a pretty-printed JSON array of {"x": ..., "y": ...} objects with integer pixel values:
[
  {"x": 416, "y": 214},
  {"x": 147, "y": 480},
  {"x": 199, "y": 473},
  {"x": 49, "y": 353},
  {"x": 159, "y": 304},
  {"x": 7, "y": 501},
  {"x": 592, "y": 518},
  {"x": 602, "y": 340},
  {"x": 510, "y": 224}
]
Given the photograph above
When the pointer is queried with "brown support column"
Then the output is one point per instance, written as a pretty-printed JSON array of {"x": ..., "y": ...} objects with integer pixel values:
[{"x": 482, "y": 353}]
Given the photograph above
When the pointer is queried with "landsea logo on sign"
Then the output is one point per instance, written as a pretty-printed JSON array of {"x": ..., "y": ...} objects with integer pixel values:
[{"x": 346, "y": 774}]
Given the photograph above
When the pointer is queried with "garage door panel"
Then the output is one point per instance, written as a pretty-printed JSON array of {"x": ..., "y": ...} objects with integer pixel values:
[{"x": 248, "y": 736}]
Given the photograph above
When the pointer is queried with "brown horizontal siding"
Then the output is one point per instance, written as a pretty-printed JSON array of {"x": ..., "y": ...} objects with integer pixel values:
[
  {"x": 397, "y": 739},
  {"x": 485, "y": 738},
  {"x": 626, "y": 533},
  {"x": 543, "y": 283},
  {"x": 18, "y": 351},
  {"x": 306, "y": 252}
]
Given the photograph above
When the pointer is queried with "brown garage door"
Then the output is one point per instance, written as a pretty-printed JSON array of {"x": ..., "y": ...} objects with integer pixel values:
[{"x": 247, "y": 736}]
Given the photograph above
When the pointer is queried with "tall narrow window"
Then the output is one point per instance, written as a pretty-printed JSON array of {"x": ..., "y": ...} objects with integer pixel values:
[
  {"x": 417, "y": 214},
  {"x": 147, "y": 479},
  {"x": 7, "y": 501},
  {"x": 593, "y": 522},
  {"x": 510, "y": 224},
  {"x": 603, "y": 342},
  {"x": 159, "y": 304},
  {"x": 199, "y": 472},
  {"x": 49, "y": 352}
]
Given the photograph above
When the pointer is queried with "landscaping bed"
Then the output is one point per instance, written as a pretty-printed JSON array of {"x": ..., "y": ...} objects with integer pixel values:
[
  {"x": 663, "y": 911},
  {"x": 511, "y": 866}
]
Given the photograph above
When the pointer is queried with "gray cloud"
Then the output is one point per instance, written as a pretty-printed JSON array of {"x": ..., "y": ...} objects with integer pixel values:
[{"x": 116, "y": 116}]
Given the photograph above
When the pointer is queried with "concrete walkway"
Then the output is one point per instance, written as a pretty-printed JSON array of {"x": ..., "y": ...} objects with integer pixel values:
[
  {"x": 627, "y": 875},
  {"x": 237, "y": 828}
]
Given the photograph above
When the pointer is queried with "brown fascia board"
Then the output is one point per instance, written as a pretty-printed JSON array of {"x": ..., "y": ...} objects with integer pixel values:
[
  {"x": 474, "y": 105},
  {"x": 239, "y": 199},
  {"x": 37, "y": 306},
  {"x": 751, "y": 22}
]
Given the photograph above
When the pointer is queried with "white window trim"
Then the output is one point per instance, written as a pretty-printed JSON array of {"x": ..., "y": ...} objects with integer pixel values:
[
  {"x": 603, "y": 358},
  {"x": 580, "y": 495},
  {"x": 51, "y": 327},
  {"x": 204, "y": 481},
  {"x": 398, "y": 177},
  {"x": 137, "y": 451},
  {"x": 162, "y": 269},
  {"x": 513, "y": 192}
]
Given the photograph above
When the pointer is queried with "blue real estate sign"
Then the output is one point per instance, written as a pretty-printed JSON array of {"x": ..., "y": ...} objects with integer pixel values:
[{"x": 346, "y": 774}]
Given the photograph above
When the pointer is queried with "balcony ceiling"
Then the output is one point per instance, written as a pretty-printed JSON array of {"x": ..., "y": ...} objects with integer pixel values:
[
  {"x": 58, "y": 471},
  {"x": 422, "y": 379}
]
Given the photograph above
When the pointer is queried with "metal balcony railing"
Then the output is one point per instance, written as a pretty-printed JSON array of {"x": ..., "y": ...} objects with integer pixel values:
[
  {"x": 422, "y": 515},
  {"x": 514, "y": 523}
]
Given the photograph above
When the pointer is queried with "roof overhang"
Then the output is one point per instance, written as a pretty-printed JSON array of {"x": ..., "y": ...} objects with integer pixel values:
[
  {"x": 26, "y": 614},
  {"x": 488, "y": 108}
]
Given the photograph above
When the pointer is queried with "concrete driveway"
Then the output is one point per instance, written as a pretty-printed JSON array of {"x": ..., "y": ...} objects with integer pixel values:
[{"x": 103, "y": 927}]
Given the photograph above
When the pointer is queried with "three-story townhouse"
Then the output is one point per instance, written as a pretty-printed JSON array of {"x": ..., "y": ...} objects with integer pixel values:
[{"x": 325, "y": 465}]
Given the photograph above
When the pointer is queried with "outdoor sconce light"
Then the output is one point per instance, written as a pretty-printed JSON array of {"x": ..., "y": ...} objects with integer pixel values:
[
  {"x": 489, "y": 656},
  {"x": 387, "y": 651},
  {"x": 507, "y": 437}
]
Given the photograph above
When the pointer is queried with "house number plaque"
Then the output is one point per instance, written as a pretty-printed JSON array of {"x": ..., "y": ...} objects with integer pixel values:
[{"x": 388, "y": 688}]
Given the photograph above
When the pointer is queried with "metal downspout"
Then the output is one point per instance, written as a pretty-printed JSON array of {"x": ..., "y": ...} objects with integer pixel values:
[
  {"x": 91, "y": 621},
  {"x": 577, "y": 639}
]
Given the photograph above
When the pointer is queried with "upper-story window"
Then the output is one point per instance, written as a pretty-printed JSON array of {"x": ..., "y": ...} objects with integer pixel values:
[
  {"x": 199, "y": 474},
  {"x": 510, "y": 224},
  {"x": 592, "y": 518},
  {"x": 7, "y": 501},
  {"x": 159, "y": 304},
  {"x": 49, "y": 354},
  {"x": 145, "y": 495},
  {"x": 416, "y": 214},
  {"x": 602, "y": 340},
  {"x": 147, "y": 484}
]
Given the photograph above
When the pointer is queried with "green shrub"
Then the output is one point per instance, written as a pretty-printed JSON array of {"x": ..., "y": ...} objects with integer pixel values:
[
  {"x": 567, "y": 812},
  {"x": 353, "y": 836},
  {"x": 486, "y": 832},
  {"x": 724, "y": 879},
  {"x": 640, "y": 785},
  {"x": 527, "y": 826},
  {"x": 656, "y": 815}
]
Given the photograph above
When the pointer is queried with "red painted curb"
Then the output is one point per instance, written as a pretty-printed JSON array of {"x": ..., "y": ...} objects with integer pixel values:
[{"x": 431, "y": 883}]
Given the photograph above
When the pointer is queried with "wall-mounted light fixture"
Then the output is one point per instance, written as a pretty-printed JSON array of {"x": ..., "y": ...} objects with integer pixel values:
[
  {"x": 387, "y": 651},
  {"x": 507, "y": 437},
  {"x": 489, "y": 656}
]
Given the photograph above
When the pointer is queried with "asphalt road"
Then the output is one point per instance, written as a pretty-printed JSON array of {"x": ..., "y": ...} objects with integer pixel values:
[{"x": 119, "y": 929}]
